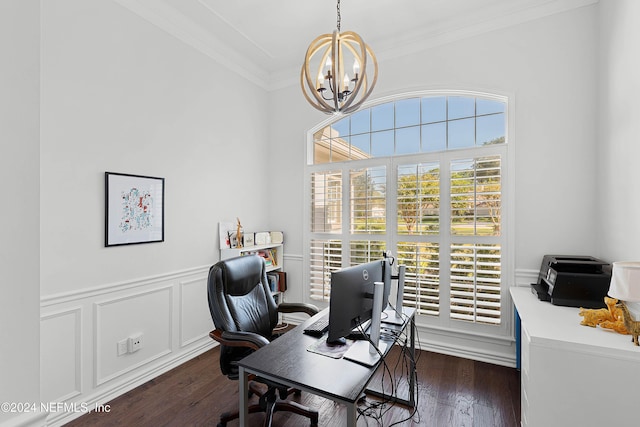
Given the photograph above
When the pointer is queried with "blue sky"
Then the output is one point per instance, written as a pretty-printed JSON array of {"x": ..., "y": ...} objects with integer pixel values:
[{"x": 422, "y": 125}]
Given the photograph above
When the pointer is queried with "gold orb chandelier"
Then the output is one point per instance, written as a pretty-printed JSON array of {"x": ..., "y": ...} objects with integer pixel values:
[{"x": 330, "y": 89}]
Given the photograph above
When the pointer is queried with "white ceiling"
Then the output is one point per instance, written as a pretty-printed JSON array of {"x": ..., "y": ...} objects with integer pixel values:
[{"x": 266, "y": 40}]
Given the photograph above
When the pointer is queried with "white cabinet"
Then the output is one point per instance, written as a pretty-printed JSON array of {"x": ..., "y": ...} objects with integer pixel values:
[
  {"x": 573, "y": 375},
  {"x": 271, "y": 252}
]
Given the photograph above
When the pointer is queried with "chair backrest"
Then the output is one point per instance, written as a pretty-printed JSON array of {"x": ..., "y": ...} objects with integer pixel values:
[{"x": 240, "y": 297}]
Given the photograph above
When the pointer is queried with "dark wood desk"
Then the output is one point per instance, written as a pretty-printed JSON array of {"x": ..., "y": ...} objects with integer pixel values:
[{"x": 287, "y": 361}]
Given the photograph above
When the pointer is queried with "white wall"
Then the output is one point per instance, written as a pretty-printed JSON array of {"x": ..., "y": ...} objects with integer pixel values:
[
  {"x": 618, "y": 195},
  {"x": 121, "y": 95},
  {"x": 19, "y": 216},
  {"x": 548, "y": 69}
]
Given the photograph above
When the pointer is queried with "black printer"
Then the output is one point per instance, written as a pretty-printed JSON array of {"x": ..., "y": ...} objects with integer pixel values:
[{"x": 573, "y": 281}]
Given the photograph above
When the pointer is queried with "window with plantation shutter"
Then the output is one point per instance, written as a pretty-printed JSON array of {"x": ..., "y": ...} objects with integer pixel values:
[
  {"x": 424, "y": 177},
  {"x": 418, "y": 207},
  {"x": 422, "y": 276},
  {"x": 475, "y": 283},
  {"x": 326, "y": 206},
  {"x": 368, "y": 200},
  {"x": 363, "y": 251},
  {"x": 325, "y": 257},
  {"x": 476, "y": 196}
]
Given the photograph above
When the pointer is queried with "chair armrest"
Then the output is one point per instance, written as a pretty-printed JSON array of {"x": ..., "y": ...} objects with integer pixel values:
[
  {"x": 239, "y": 339},
  {"x": 293, "y": 307}
]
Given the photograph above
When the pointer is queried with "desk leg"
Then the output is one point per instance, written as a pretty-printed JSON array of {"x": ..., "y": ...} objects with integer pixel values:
[
  {"x": 352, "y": 414},
  {"x": 412, "y": 373},
  {"x": 244, "y": 396}
]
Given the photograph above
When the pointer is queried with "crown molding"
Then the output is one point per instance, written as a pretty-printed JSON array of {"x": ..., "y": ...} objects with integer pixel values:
[
  {"x": 174, "y": 23},
  {"x": 454, "y": 30},
  {"x": 447, "y": 32}
]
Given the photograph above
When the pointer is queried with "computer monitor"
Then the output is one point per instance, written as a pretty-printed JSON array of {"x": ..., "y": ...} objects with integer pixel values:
[{"x": 351, "y": 300}]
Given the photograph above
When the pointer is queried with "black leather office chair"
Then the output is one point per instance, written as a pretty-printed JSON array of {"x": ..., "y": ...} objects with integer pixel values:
[{"x": 245, "y": 314}]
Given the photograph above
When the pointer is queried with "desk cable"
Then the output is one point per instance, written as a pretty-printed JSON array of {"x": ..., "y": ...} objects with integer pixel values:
[
  {"x": 281, "y": 327},
  {"x": 406, "y": 357},
  {"x": 405, "y": 367},
  {"x": 378, "y": 409}
]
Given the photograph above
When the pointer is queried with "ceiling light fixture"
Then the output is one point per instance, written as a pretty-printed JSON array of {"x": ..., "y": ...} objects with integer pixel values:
[{"x": 330, "y": 89}]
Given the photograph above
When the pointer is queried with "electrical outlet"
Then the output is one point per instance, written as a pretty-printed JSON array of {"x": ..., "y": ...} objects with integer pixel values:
[
  {"x": 123, "y": 347},
  {"x": 135, "y": 343}
]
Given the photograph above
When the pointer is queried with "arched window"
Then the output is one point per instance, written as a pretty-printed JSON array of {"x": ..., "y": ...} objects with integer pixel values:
[{"x": 424, "y": 176}]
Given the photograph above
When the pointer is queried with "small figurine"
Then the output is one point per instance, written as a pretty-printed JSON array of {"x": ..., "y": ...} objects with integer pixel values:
[
  {"x": 611, "y": 317},
  {"x": 239, "y": 233},
  {"x": 632, "y": 325}
]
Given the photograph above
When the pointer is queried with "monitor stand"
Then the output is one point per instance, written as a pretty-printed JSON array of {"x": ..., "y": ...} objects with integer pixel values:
[
  {"x": 365, "y": 352},
  {"x": 392, "y": 315}
]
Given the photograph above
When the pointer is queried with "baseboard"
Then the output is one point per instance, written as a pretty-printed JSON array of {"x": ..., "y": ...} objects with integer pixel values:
[
  {"x": 107, "y": 394},
  {"x": 26, "y": 419},
  {"x": 495, "y": 358},
  {"x": 498, "y": 351}
]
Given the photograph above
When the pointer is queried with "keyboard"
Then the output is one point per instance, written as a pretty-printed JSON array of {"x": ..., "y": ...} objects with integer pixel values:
[{"x": 319, "y": 327}]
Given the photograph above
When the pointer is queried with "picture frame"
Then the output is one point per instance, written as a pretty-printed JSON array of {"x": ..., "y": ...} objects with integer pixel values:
[
  {"x": 248, "y": 239},
  {"x": 134, "y": 209},
  {"x": 262, "y": 238}
]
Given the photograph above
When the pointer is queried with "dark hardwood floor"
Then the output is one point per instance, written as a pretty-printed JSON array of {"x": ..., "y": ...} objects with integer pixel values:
[{"x": 451, "y": 392}]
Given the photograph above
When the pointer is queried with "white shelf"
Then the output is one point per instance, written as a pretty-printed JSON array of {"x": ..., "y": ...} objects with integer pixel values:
[
  {"x": 253, "y": 248},
  {"x": 226, "y": 253}
]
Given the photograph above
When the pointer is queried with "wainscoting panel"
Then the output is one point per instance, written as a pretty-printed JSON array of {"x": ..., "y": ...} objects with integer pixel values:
[
  {"x": 195, "y": 318},
  {"x": 127, "y": 317},
  {"x": 80, "y": 332},
  {"x": 61, "y": 341}
]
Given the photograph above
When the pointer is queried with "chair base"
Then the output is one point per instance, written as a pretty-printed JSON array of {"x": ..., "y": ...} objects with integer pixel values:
[{"x": 270, "y": 405}]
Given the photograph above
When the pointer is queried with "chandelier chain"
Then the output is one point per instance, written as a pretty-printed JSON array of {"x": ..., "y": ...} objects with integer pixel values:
[{"x": 339, "y": 18}]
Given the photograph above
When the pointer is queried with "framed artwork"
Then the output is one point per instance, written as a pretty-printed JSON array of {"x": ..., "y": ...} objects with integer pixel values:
[{"x": 134, "y": 209}]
